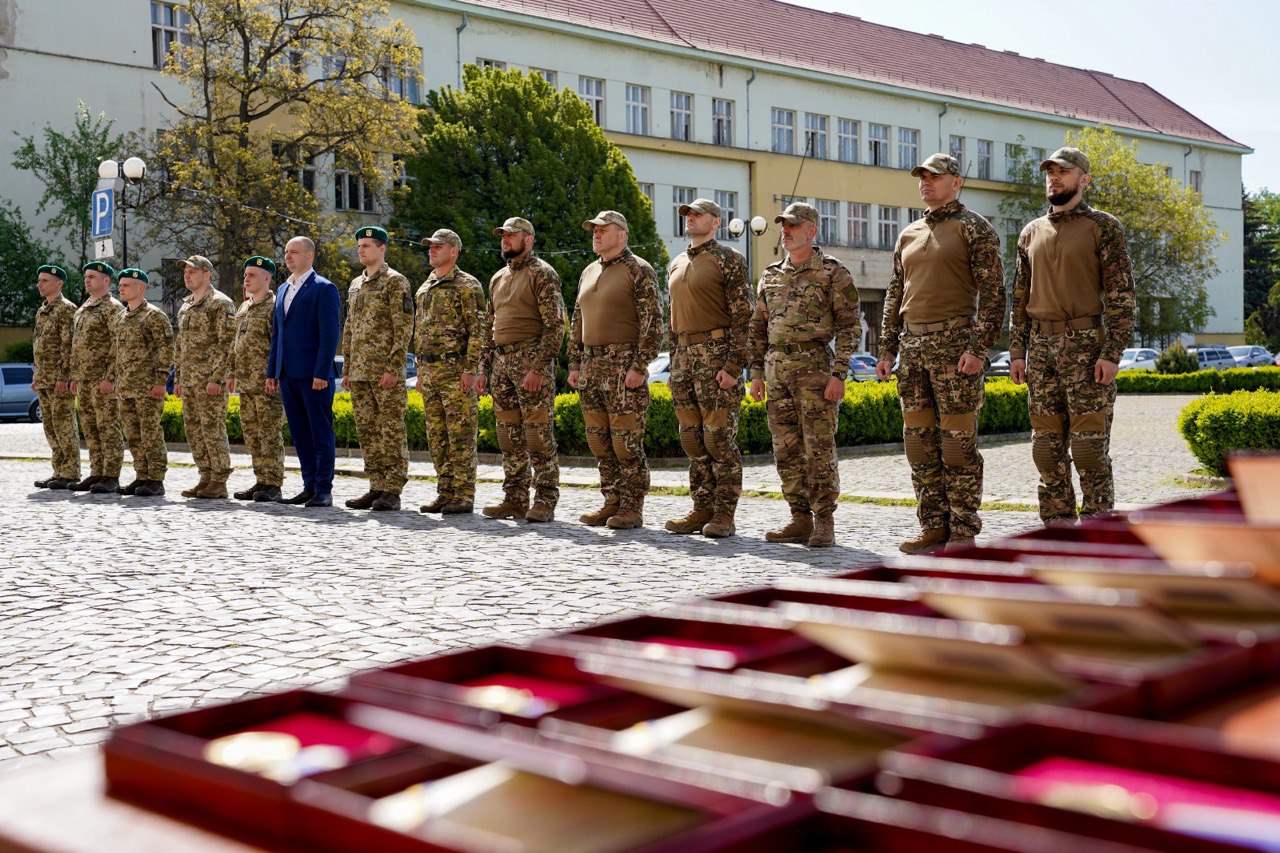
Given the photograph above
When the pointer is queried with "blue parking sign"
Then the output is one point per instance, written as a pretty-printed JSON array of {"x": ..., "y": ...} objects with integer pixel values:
[{"x": 102, "y": 210}]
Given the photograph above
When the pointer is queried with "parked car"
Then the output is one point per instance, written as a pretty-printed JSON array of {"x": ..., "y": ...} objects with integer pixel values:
[
  {"x": 410, "y": 372},
  {"x": 862, "y": 367},
  {"x": 17, "y": 400},
  {"x": 1138, "y": 358},
  {"x": 1213, "y": 357},
  {"x": 1247, "y": 355},
  {"x": 660, "y": 368},
  {"x": 999, "y": 365}
]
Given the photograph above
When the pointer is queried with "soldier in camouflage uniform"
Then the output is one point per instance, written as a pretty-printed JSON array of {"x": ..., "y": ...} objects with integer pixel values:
[
  {"x": 51, "y": 379},
  {"x": 944, "y": 308},
  {"x": 1073, "y": 305},
  {"x": 710, "y": 312},
  {"x": 261, "y": 411},
  {"x": 94, "y": 329},
  {"x": 206, "y": 324},
  {"x": 524, "y": 329},
  {"x": 805, "y": 304},
  {"x": 375, "y": 345},
  {"x": 616, "y": 327},
  {"x": 140, "y": 360},
  {"x": 449, "y": 334}
]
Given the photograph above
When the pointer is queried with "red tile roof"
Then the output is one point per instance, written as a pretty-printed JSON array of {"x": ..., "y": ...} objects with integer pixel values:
[{"x": 851, "y": 47}]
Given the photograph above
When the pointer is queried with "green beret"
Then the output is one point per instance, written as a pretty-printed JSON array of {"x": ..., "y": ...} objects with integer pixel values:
[
  {"x": 261, "y": 262},
  {"x": 53, "y": 269},
  {"x": 372, "y": 231},
  {"x": 135, "y": 273},
  {"x": 99, "y": 266}
]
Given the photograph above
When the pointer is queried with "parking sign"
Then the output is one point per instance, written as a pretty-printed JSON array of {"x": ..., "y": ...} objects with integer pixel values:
[{"x": 102, "y": 209}]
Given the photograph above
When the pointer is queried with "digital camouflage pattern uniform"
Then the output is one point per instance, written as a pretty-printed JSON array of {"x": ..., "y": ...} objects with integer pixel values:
[
  {"x": 946, "y": 298},
  {"x": 616, "y": 327},
  {"x": 140, "y": 359},
  {"x": 524, "y": 328},
  {"x": 375, "y": 341},
  {"x": 261, "y": 414},
  {"x": 449, "y": 337},
  {"x": 803, "y": 331},
  {"x": 91, "y": 340},
  {"x": 52, "y": 344},
  {"x": 710, "y": 314},
  {"x": 205, "y": 331},
  {"x": 1073, "y": 305}
]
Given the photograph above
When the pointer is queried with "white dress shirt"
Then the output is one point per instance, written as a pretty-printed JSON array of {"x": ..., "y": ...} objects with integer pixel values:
[{"x": 295, "y": 282}]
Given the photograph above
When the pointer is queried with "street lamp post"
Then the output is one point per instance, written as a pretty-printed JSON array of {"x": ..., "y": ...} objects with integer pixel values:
[
  {"x": 758, "y": 226},
  {"x": 133, "y": 170}
]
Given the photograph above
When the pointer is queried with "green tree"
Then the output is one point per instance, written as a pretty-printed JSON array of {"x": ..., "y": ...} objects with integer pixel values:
[
  {"x": 1172, "y": 238},
  {"x": 20, "y": 254},
  {"x": 1262, "y": 268}
]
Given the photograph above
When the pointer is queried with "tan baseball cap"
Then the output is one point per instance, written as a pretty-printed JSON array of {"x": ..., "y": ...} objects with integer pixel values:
[
  {"x": 939, "y": 164},
  {"x": 701, "y": 205},
  {"x": 797, "y": 212},
  {"x": 607, "y": 217},
  {"x": 512, "y": 225},
  {"x": 444, "y": 235},
  {"x": 1067, "y": 158},
  {"x": 200, "y": 262}
]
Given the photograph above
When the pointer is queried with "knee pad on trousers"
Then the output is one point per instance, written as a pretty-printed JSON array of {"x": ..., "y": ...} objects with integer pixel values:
[
  {"x": 719, "y": 444},
  {"x": 506, "y": 420},
  {"x": 1088, "y": 453},
  {"x": 691, "y": 441},
  {"x": 597, "y": 424},
  {"x": 534, "y": 438},
  {"x": 917, "y": 448},
  {"x": 620, "y": 425},
  {"x": 620, "y": 447},
  {"x": 597, "y": 443},
  {"x": 1045, "y": 453},
  {"x": 959, "y": 451}
]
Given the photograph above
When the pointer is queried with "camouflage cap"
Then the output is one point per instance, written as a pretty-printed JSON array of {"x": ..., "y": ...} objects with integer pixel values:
[
  {"x": 261, "y": 263},
  {"x": 54, "y": 270},
  {"x": 200, "y": 262},
  {"x": 513, "y": 225},
  {"x": 606, "y": 217},
  {"x": 373, "y": 232},
  {"x": 938, "y": 164},
  {"x": 99, "y": 266},
  {"x": 797, "y": 212},
  {"x": 1067, "y": 158},
  {"x": 444, "y": 235},
  {"x": 135, "y": 274},
  {"x": 701, "y": 205}
]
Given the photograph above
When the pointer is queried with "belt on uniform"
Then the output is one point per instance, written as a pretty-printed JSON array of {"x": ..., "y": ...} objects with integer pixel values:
[
  {"x": 513, "y": 346},
  {"x": 432, "y": 359},
  {"x": 940, "y": 326},
  {"x": 1057, "y": 327},
  {"x": 607, "y": 347},
  {"x": 803, "y": 346},
  {"x": 701, "y": 337}
]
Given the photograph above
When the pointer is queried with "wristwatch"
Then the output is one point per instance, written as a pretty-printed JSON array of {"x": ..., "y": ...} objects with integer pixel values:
[{"x": 838, "y": 375}]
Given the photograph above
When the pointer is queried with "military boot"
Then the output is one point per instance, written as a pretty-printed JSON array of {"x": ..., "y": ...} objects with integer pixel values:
[
  {"x": 247, "y": 494},
  {"x": 267, "y": 494},
  {"x": 195, "y": 490},
  {"x": 540, "y": 511},
  {"x": 626, "y": 519},
  {"x": 215, "y": 490},
  {"x": 798, "y": 529},
  {"x": 959, "y": 541},
  {"x": 149, "y": 489},
  {"x": 693, "y": 522},
  {"x": 436, "y": 505},
  {"x": 507, "y": 509},
  {"x": 364, "y": 501},
  {"x": 130, "y": 489},
  {"x": 720, "y": 526},
  {"x": 44, "y": 484},
  {"x": 925, "y": 539},
  {"x": 600, "y": 517},
  {"x": 386, "y": 502},
  {"x": 58, "y": 483},
  {"x": 84, "y": 485},
  {"x": 105, "y": 486},
  {"x": 458, "y": 508},
  {"x": 824, "y": 531}
]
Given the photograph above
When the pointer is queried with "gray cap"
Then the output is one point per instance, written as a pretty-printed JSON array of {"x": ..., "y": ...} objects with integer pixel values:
[
  {"x": 701, "y": 205},
  {"x": 607, "y": 217},
  {"x": 797, "y": 212},
  {"x": 444, "y": 235},
  {"x": 512, "y": 225},
  {"x": 1067, "y": 158},
  {"x": 200, "y": 262},
  {"x": 939, "y": 164}
]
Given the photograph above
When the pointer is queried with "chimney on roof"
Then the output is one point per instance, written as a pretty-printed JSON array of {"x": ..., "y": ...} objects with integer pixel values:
[{"x": 1013, "y": 53}]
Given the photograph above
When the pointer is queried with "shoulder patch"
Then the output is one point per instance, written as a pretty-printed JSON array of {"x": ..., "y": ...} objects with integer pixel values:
[{"x": 407, "y": 304}]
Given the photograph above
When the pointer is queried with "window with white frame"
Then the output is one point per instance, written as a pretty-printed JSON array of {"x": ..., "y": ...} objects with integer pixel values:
[
  {"x": 169, "y": 23},
  {"x": 491, "y": 64},
  {"x": 400, "y": 177},
  {"x": 721, "y": 121},
  {"x": 956, "y": 149},
  {"x": 1010, "y": 161},
  {"x": 682, "y": 116},
  {"x": 1037, "y": 156},
  {"x": 591, "y": 90},
  {"x": 728, "y": 201},
  {"x": 984, "y": 159},
  {"x": 908, "y": 148},
  {"x": 1195, "y": 180},
  {"x": 679, "y": 196},
  {"x": 914, "y": 213},
  {"x": 547, "y": 74},
  {"x": 890, "y": 223},
  {"x": 350, "y": 191},
  {"x": 403, "y": 82},
  {"x": 637, "y": 109},
  {"x": 783, "y": 135},
  {"x": 859, "y": 227},
  {"x": 878, "y": 144},
  {"x": 828, "y": 221},
  {"x": 847, "y": 140},
  {"x": 815, "y": 132},
  {"x": 647, "y": 189},
  {"x": 1012, "y": 230},
  {"x": 301, "y": 168}
]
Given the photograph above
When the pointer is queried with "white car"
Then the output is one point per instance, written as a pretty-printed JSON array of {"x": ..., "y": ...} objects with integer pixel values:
[
  {"x": 1247, "y": 355},
  {"x": 1138, "y": 358},
  {"x": 660, "y": 368}
]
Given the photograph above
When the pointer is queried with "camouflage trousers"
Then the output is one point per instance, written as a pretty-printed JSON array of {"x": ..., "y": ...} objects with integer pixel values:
[
  {"x": 940, "y": 408},
  {"x": 204, "y": 418},
  {"x": 803, "y": 424},
  {"x": 450, "y": 415},
  {"x": 58, "y": 412},
  {"x": 100, "y": 420},
  {"x": 614, "y": 416},
  {"x": 1070, "y": 420},
  {"x": 708, "y": 417},
  {"x": 140, "y": 417},
  {"x": 379, "y": 415},
  {"x": 525, "y": 423},
  {"x": 262, "y": 421}
]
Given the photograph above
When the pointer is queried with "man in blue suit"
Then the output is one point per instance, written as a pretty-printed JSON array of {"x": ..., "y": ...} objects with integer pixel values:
[{"x": 300, "y": 368}]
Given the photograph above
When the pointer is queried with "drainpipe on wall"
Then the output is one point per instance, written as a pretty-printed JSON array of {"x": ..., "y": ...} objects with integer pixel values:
[
  {"x": 458, "y": 41},
  {"x": 1185, "y": 155},
  {"x": 751, "y": 177},
  {"x": 945, "y": 109}
]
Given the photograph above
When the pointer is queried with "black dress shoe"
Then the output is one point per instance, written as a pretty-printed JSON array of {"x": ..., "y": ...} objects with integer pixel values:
[
  {"x": 321, "y": 499},
  {"x": 299, "y": 499}
]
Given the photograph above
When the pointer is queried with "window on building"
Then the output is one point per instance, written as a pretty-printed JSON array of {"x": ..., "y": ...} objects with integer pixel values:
[
  {"x": 890, "y": 219},
  {"x": 728, "y": 201},
  {"x": 908, "y": 148},
  {"x": 914, "y": 213},
  {"x": 350, "y": 191},
  {"x": 783, "y": 137},
  {"x": 300, "y": 168},
  {"x": 638, "y": 109},
  {"x": 1037, "y": 156},
  {"x": 682, "y": 116},
  {"x": 878, "y": 144},
  {"x": 1010, "y": 161},
  {"x": 169, "y": 23},
  {"x": 815, "y": 132},
  {"x": 847, "y": 140},
  {"x": 859, "y": 224},
  {"x": 546, "y": 74},
  {"x": 400, "y": 177},
  {"x": 956, "y": 149},
  {"x": 984, "y": 159},
  {"x": 1195, "y": 180},
  {"x": 1168, "y": 171},
  {"x": 721, "y": 121},
  {"x": 679, "y": 196},
  {"x": 591, "y": 90},
  {"x": 403, "y": 82},
  {"x": 491, "y": 64},
  {"x": 1012, "y": 229},
  {"x": 647, "y": 189},
  {"x": 828, "y": 221}
]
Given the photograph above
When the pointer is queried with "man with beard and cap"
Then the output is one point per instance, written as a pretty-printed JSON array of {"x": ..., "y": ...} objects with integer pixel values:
[
  {"x": 524, "y": 329},
  {"x": 261, "y": 413},
  {"x": 51, "y": 378},
  {"x": 942, "y": 311},
  {"x": 1073, "y": 305},
  {"x": 94, "y": 329}
]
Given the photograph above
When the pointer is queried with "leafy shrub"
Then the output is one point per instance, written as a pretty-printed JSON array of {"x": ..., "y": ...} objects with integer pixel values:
[
  {"x": 1200, "y": 382},
  {"x": 1176, "y": 359},
  {"x": 23, "y": 351},
  {"x": 1219, "y": 423}
]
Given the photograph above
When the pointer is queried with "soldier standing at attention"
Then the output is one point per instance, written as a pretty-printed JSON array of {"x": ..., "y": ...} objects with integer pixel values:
[
  {"x": 375, "y": 343},
  {"x": 94, "y": 330},
  {"x": 51, "y": 379},
  {"x": 806, "y": 304},
  {"x": 140, "y": 360},
  {"x": 1073, "y": 305},
  {"x": 524, "y": 328},
  {"x": 944, "y": 309},
  {"x": 449, "y": 324},
  {"x": 206, "y": 323},
  {"x": 710, "y": 313},
  {"x": 261, "y": 413},
  {"x": 617, "y": 324}
]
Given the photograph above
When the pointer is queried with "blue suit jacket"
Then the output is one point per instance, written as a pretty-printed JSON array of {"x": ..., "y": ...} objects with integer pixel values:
[{"x": 306, "y": 340}]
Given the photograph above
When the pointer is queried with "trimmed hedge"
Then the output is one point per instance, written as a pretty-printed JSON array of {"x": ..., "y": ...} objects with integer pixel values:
[
  {"x": 1217, "y": 424},
  {"x": 869, "y": 414},
  {"x": 1200, "y": 382}
]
